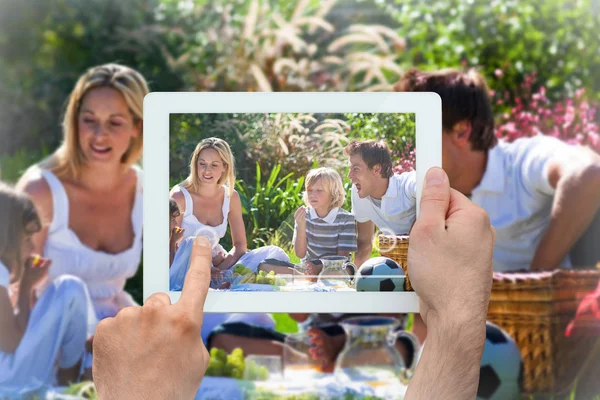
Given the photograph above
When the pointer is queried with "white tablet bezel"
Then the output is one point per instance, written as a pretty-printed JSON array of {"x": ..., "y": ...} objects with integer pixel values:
[{"x": 158, "y": 106}]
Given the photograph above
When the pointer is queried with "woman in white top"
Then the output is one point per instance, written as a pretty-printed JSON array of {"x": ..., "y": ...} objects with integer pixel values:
[
  {"x": 42, "y": 343},
  {"x": 89, "y": 192},
  {"x": 208, "y": 203}
]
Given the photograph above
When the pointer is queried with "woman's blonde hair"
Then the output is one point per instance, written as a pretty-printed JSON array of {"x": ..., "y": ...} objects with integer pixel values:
[
  {"x": 68, "y": 159},
  {"x": 332, "y": 181},
  {"x": 221, "y": 147},
  {"x": 19, "y": 218}
]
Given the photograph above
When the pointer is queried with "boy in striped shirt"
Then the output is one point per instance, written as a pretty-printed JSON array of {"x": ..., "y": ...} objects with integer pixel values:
[{"x": 322, "y": 227}]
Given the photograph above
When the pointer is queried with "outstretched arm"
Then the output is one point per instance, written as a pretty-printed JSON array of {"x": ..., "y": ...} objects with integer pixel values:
[{"x": 576, "y": 178}]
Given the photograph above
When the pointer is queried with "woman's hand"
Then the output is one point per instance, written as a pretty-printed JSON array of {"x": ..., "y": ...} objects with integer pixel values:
[{"x": 218, "y": 259}]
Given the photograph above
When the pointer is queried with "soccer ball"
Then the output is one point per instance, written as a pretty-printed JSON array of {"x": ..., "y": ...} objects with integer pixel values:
[
  {"x": 501, "y": 371},
  {"x": 380, "y": 274}
]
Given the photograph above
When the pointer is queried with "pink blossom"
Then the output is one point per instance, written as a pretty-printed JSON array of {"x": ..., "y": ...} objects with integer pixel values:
[
  {"x": 498, "y": 72},
  {"x": 571, "y": 119}
]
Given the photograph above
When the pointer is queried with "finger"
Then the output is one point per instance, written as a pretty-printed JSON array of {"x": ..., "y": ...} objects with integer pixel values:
[
  {"x": 158, "y": 300},
  {"x": 197, "y": 279},
  {"x": 435, "y": 199}
]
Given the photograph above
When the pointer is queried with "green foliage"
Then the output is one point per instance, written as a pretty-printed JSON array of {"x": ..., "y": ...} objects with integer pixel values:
[
  {"x": 14, "y": 165},
  {"x": 268, "y": 204},
  {"x": 397, "y": 130},
  {"x": 45, "y": 45},
  {"x": 556, "y": 38}
]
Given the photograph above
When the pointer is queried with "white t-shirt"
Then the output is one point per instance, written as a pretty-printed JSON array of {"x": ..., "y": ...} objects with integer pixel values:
[
  {"x": 398, "y": 206},
  {"x": 517, "y": 195}
]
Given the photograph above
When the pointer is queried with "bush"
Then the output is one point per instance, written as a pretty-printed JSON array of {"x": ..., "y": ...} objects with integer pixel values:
[
  {"x": 398, "y": 131},
  {"x": 269, "y": 206},
  {"x": 570, "y": 119},
  {"x": 557, "y": 38},
  {"x": 293, "y": 141}
]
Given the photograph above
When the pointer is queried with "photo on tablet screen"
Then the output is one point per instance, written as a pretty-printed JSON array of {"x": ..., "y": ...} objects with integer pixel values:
[{"x": 294, "y": 202}]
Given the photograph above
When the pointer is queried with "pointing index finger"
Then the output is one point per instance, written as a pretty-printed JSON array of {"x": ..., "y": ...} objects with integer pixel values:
[{"x": 197, "y": 279}]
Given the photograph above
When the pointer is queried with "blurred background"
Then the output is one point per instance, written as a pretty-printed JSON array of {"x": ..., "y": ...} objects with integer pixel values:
[{"x": 541, "y": 60}]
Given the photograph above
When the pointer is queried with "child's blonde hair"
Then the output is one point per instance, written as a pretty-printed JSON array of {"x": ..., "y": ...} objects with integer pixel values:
[
  {"x": 332, "y": 181},
  {"x": 222, "y": 147},
  {"x": 19, "y": 218}
]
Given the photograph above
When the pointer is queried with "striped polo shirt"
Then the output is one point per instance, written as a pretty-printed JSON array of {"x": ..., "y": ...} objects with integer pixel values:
[{"x": 329, "y": 235}]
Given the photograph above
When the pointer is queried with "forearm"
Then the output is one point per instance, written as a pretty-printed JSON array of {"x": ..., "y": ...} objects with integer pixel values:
[
  {"x": 449, "y": 366},
  {"x": 24, "y": 305},
  {"x": 300, "y": 244},
  {"x": 575, "y": 204},
  {"x": 172, "y": 250},
  {"x": 363, "y": 254},
  {"x": 231, "y": 259}
]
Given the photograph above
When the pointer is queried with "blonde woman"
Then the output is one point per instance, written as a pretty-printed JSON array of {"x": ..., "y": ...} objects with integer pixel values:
[
  {"x": 89, "y": 192},
  {"x": 209, "y": 203}
]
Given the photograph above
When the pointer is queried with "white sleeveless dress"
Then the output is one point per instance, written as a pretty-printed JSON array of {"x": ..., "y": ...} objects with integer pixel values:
[
  {"x": 192, "y": 228},
  {"x": 103, "y": 273},
  {"x": 251, "y": 259}
]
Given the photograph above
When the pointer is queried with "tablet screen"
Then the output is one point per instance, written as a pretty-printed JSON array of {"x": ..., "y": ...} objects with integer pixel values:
[{"x": 293, "y": 202}]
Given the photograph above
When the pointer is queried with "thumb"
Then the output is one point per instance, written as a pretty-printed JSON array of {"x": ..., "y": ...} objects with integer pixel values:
[{"x": 435, "y": 199}]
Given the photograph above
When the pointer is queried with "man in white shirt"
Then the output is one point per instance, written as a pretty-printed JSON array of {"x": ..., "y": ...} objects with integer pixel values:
[
  {"x": 541, "y": 193},
  {"x": 379, "y": 197}
]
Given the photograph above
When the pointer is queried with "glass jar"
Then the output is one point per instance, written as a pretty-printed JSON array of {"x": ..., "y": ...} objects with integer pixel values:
[
  {"x": 370, "y": 355},
  {"x": 334, "y": 272}
]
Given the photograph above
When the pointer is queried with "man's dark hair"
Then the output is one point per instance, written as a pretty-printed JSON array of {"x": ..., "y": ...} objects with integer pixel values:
[
  {"x": 372, "y": 152},
  {"x": 464, "y": 96}
]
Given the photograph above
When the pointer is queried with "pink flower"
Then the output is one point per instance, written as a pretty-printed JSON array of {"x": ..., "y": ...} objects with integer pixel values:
[{"x": 498, "y": 72}]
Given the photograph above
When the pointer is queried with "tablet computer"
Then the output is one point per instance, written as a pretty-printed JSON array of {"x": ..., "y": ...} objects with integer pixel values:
[{"x": 197, "y": 153}]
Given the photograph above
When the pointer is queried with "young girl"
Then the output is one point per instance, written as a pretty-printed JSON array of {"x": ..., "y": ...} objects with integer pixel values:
[
  {"x": 322, "y": 227},
  {"x": 41, "y": 345},
  {"x": 175, "y": 232}
]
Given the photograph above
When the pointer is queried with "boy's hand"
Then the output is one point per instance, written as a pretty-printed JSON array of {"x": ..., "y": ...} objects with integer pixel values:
[
  {"x": 300, "y": 217},
  {"x": 313, "y": 270},
  {"x": 325, "y": 348}
]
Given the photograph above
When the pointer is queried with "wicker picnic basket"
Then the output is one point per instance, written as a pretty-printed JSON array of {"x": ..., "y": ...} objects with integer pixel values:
[
  {"x": 396, "y": 248},
  {"x": 535, "y": 309}
]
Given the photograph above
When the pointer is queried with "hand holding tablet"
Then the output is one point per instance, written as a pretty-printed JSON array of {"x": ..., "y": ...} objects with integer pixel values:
[
  {"x": 128, "y": 347},
  {"x": 453, "y": 269}
]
